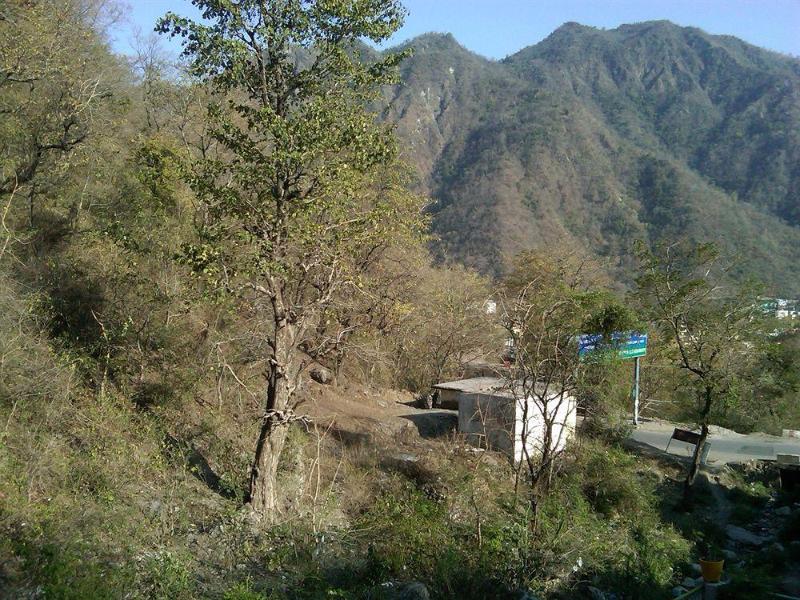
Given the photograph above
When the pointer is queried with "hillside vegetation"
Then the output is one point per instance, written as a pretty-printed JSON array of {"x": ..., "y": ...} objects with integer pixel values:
[
  {"x": 594, "y": 138},
  {"x": 221, "y": 318}
]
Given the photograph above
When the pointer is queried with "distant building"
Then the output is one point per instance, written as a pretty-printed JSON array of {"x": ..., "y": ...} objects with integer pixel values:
[
  {"x": 493, "y": 417},
  {"x": 781, "y": 308}
]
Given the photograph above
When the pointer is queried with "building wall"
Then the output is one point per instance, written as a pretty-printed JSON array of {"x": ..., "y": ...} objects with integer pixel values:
[
  {"x": 559, "y": 410},
  {"x": 488, "y": 421},
  {"x": 498, "y": 423}
]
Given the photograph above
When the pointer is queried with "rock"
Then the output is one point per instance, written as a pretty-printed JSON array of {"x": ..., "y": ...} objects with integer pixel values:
[
  {"x": 688, "y": 583},
  {"x": 778, "y": 547},
  {"x": 406, "y": 458},
  {"x": 524, "y": 595},
  {"x": 414, "y": 590},
  {"x": 596, "y": 594},
  {"x": 678, "y": 591},
  {"x": 321, "y": 375},
  {"x": 696, "y": 568},
  {"x": 741, "y": 535},
  {"x": 783, "y": 511},
  {"x": 729, "y": 554}
]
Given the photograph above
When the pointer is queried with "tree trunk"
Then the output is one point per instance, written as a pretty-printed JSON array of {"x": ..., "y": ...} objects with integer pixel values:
[
  {"x": 281, "y": 383},
  {"x": 695, "y": 466},
  {"x": 264, "y": 473}
]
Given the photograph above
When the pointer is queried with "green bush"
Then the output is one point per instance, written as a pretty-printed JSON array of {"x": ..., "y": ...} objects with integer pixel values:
[{"x": 243, "y": 591}]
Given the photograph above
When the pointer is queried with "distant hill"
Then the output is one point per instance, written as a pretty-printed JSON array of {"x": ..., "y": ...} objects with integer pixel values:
[{"x": 598, "y": 137}]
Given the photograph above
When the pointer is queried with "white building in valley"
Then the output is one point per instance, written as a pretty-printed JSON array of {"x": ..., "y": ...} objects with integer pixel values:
[{"x": 495, "y": 417}]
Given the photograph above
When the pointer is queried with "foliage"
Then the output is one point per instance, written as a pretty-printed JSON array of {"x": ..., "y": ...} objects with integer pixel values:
[
  {"x": 300, "y": 195},
  {"x": 443, "y": 324},
  {"x": 713, "y": 331},
  {"x": 546, "y": 303},
  {"x": 130, "y": 385},
  {"x": 598, "y": 137}
]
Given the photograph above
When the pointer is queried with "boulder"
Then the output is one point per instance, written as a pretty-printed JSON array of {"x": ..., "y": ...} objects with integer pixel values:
[
  {"x": 523, "y": 594},
  {"x": 596, "y": 594},
  {"x": 783, "y": 511},
  {"x": 688, "y": 583},
  {"x": 321, "y": 375},
  {"x": 413, "y": 590},
  {"x": 729, "y": 554},
  {"x": 741, "y": 535}
]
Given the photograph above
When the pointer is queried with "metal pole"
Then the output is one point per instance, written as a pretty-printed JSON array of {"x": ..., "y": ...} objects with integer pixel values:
[{"x": 636, "y": 392}]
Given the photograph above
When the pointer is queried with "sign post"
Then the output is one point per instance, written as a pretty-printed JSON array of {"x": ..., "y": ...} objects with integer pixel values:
[
  {"x": 624, "y": 345},
  {"x": 636, "y": 391}
]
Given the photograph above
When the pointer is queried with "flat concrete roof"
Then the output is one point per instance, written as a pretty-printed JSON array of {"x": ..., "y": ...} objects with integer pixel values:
[
  {"x": 476, "y": 385},
  {"x": 488, "y": 386}
]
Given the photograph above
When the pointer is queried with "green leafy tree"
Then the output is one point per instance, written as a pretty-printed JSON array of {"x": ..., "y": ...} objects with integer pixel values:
[
  {"x": 56, "y": 76},
  {"x": 713, "y": 328},
  {"x": 300, "y": 195},
  {"x": 546, "y": 302}
]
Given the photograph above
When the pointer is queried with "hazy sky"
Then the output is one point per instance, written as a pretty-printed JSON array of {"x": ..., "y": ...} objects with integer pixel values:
[{"x": 496, "y": 28}]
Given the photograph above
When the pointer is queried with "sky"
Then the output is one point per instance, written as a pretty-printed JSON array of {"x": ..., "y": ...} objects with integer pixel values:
[{"x": 497, "y": 28}]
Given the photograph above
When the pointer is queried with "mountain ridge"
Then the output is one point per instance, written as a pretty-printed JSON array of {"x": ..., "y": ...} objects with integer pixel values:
[{"x": 564, "y": 141}]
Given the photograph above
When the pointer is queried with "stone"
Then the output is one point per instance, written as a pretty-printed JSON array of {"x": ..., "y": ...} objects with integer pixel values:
[
  {"x": 710, "y": 590},
  {"x": 741, "y": 535},
  {"x": 688, "y": 582},
  {"x": 778, "y": 547},
  {"x": 523, "y": 594},
  {"x": 321, "y": 375},
  {"x": 696, "y": 568},
  {"x": 596, "y": 594},
  {"x": 413, "y": 590},
  {"x": 678, "y": 591},
  {"x": 729, "y": 554},
  {"x": 783, "y": 511},
  {"x": 406, "y": 458}
]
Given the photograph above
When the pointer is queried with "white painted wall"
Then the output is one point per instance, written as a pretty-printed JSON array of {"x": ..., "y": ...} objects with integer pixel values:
[
  {"x": 559, "y": 410},
  {"x": 499, "y": 423}
]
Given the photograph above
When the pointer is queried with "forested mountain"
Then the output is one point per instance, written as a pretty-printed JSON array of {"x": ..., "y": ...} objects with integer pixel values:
[{"x": 598, "y": 137}]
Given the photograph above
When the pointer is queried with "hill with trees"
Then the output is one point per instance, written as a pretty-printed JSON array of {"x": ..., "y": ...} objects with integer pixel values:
[
  {"x": 220, "y": 319},
  {"x": 594, "y": 138}
]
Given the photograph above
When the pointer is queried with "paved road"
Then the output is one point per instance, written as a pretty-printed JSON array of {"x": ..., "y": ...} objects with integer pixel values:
[{"x": 726, "y": 446}]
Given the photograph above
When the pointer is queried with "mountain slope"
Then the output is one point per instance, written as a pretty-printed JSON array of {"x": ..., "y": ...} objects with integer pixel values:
[{"x": 594, "y": 138}]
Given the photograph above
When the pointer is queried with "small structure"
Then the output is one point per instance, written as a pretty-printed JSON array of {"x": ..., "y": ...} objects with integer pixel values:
[
  {"x": 494, "y": 416},
  {"x": 781, "y": 308}
]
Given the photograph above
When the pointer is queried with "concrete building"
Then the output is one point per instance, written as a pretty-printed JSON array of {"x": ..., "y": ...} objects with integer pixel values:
[
  {"x": 494, "y": 417},
  {"x": 781, "y": 308}
]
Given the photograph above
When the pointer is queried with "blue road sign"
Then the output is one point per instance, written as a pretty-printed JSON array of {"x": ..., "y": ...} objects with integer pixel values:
[{"x": 628, "y": 344}]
